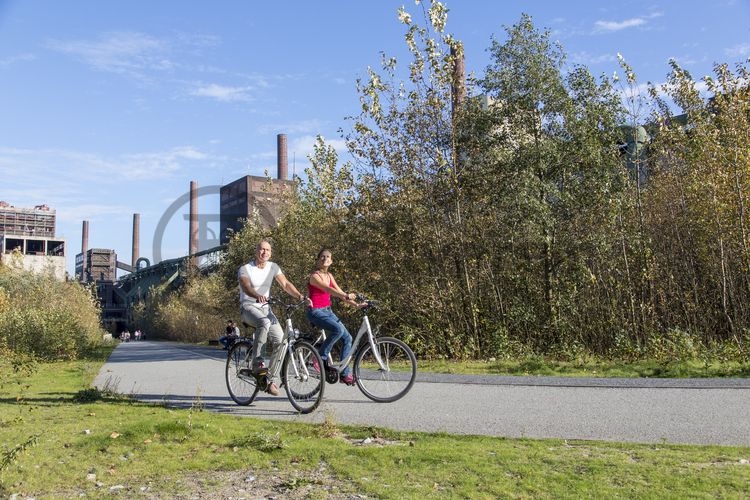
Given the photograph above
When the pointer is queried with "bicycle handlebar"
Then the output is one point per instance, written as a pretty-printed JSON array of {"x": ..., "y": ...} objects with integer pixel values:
[
  {"x": 370, "y": 303},
  {"x": 278, "y": 302}
]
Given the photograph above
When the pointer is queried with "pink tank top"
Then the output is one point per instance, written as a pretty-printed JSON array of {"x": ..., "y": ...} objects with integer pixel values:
[{"x": 320, "y": 298}]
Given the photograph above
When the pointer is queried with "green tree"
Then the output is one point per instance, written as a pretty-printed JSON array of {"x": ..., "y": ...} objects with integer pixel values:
[
  {"x": 699, "y": 203},
  {"x": 556, "y": 178}
]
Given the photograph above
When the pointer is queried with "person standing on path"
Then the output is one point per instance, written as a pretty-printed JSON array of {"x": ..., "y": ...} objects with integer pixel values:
[{"x": 255, "y": 280}]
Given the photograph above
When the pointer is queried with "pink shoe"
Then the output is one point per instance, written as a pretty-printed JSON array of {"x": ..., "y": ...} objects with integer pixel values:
[{"x": 348, "y": 380}]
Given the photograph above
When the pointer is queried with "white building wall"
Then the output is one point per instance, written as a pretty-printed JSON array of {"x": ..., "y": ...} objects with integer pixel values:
[{"x": 47, "y": 264}]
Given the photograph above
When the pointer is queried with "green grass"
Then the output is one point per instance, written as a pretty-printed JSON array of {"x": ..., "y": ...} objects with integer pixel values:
[
  {"x": 589, "y": 368},
  {"x": 47, "y": 450}
]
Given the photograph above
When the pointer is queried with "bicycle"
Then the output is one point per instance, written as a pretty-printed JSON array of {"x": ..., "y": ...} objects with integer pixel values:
[
  {"x": 384, "y": 367},
  {"x": 300, "y": 368}
]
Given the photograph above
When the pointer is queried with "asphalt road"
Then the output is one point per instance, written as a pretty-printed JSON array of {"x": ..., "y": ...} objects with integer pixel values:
[{"x": 697, "y": 411}]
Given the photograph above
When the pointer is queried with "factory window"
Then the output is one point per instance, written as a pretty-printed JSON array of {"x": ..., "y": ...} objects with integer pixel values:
[
  {"x": 13, "y": 243},
  {"x": 35, "y": 247},
  {"x": 56, "y": 248}
]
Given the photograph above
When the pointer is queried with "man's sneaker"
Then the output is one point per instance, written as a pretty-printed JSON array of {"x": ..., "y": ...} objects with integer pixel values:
[
  {"x": 260, "y": 369},
  {"x": 272, "y": 389},
  {"x": 348, "y": 379}
]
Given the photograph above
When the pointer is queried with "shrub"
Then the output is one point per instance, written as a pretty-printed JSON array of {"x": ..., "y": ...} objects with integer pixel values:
[
  {"x": 196, "y": 312},
  {"x": 46, "y": 318}
]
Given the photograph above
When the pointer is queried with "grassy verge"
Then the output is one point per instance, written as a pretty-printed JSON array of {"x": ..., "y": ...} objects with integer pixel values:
[
  {"x": 61, "y": 438},
  {"x": 589, "y": 368}
]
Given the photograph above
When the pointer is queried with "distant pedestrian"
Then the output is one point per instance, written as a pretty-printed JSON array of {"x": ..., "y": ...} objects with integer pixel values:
[{"x": 231, "y": 334}]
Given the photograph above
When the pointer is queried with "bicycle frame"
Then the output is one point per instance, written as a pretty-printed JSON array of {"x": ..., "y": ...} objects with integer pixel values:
[
  {"x": 291, "y": 334},
  {"x": 365, "y": 328}
]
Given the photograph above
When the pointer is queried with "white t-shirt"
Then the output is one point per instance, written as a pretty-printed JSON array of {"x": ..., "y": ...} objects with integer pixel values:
[{"x": 260, "y": 279}]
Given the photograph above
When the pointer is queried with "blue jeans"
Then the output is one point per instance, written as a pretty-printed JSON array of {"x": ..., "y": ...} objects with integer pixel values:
[
  {"x": 324, "y": 318},
  {"x": 227, "y": 341}
]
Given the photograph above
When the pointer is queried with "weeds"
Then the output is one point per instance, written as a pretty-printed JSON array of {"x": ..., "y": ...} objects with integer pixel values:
[
  {"x": 329, "y": 428},
  {"x": 108, "y": 392},
  {"x": 10, "y": 456},
  {"x": 261, "y": 441}
]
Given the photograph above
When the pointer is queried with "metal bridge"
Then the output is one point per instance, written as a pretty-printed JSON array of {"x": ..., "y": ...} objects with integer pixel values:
[{"x": 118, "y": 297}]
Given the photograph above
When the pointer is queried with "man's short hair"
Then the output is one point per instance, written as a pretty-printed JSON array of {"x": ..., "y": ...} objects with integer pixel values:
[{"x": 264, "y": 240}]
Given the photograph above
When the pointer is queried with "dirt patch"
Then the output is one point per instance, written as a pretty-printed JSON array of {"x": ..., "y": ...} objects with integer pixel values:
[
  {"x": 240, "y": 484},
  {"x": 265, "y": 483}
]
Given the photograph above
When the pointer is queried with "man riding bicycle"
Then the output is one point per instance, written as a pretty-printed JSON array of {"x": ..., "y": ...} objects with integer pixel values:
[{"x": 255, "y": 280}]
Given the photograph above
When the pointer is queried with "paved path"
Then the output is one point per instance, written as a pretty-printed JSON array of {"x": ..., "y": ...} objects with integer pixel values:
[{"x": 700, "y": 411}]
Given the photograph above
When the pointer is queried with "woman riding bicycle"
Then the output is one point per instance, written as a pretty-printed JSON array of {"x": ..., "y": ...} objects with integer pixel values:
[{"x": 320, "y": 287}]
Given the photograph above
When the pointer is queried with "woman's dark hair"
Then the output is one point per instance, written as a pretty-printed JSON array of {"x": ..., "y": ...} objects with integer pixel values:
[{"x": 324, "y": 249}]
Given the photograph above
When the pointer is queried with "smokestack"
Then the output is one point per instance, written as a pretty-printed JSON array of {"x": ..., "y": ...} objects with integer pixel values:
[
  {"x": 458, "y": 88},
  {"x": 136, "y": 239},
  {"x": 282, "y": 160},
  {"x": 84, "y": 247},
  {"x": 193, "y": 241}
]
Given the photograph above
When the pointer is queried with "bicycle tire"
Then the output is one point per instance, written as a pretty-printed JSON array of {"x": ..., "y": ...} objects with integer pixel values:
[
  {"x": 242, "y": 388},
  {"x": 385, "y": 386},
  {"x": 305, "y": 387}
]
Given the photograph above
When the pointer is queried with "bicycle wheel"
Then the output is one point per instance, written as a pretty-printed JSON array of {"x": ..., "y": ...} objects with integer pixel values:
[
  {"x": 393, "y": 382},
  {"x": 301, "y": 376},
  {"x": 242, "y": 386}
]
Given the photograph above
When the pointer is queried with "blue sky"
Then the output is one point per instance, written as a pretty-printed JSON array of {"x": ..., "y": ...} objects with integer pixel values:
[{"x": 111, "y": 108}]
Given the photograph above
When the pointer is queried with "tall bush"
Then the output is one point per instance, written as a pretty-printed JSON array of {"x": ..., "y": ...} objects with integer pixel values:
[{"x": 46, "y": 318}]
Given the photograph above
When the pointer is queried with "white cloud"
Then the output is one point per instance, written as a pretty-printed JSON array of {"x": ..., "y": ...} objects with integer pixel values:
[
  {"x": 687, "y": 60},
  {"x": 17, "y": 58},
  {"x": 121, "y": 52},
  {"x": 137, "y": 54},
  {"x": 29, "y": 167},
  {"x": 640, "y": 91},
  {"x": 602, "y": 26},
  {"x": 303, "y": 145},
  {"x": 223, "y": 93},
  {"x": 701, "y": 87},
  {"x": 586, "y": 58},
  {"x": 619, "y": 25},
  {"x": 313, "y": 126},
  {"x": 91, "y": 212},
  {"x": 740, "y": 50}
]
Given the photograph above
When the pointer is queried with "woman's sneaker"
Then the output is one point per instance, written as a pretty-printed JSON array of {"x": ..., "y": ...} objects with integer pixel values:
[{"x": 348, "y": 379}]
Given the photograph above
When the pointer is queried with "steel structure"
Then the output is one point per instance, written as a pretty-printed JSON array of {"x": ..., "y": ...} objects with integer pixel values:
[
  {"x": 37, "y": 221},
  {"x": 117, "y": 297}
]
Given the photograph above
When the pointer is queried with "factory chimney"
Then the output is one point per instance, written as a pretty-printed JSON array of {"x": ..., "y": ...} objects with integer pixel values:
[
  {"x": 282, "y": 160},
  {"x": 136, "y": 239},
  {"x": 84, "y": 248}
]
